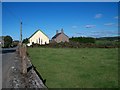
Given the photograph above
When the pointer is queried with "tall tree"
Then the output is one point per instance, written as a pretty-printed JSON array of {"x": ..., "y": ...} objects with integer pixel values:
[
  {"x": 8, "y": 41},
  {"x": 26, "y": 41}
]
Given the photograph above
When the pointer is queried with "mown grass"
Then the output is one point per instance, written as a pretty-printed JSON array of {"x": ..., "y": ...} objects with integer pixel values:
[{"x": 77, "y": 68}]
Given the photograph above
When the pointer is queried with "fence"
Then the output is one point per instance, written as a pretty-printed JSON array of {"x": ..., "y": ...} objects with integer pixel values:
[{"x": 22, "y": 49}]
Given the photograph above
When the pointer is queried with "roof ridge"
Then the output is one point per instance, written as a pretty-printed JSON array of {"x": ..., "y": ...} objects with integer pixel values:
[
  {"x": 56, "y": 35},
  {"x": 36, "y": 32},
  {"x": 43, "y": 33}
]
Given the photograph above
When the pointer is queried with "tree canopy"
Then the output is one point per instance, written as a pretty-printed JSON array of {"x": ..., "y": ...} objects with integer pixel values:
[
  {"x": 8, "y": 41},
  {"x": 26, "y": 41},
  {"x": 83, "y": 39}
]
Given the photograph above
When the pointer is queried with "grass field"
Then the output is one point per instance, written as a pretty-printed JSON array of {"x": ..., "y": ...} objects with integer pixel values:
[{"x": 77, "y": 68}]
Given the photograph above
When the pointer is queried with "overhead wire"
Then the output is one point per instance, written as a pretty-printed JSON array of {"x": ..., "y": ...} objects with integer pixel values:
[
  {"x": 15, "y": 16},
  {"x": 18, "y": 18},
  {"x": 12, "y": 13}
]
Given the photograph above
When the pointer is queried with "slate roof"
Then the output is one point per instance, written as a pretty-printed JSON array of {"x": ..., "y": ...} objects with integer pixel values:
[{"x": 56, "y": 35}]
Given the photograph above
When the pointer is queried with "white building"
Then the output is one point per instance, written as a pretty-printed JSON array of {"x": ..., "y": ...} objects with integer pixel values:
[{"x": 38, "y": 38}]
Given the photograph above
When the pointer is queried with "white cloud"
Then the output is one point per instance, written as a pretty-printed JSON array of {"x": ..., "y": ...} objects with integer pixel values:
[
  {"x": 117, "y": 25},
  {"x": 78, "y": 33},
  {"x": 104, "y": 33},
  {"x": 90, "y": 26},
  {"x": 116, "y": 17},
  {"x": 109, "y": 24},
  {"x": 74, "y": 26},
  {"x": 98, "y": 33},
  {"x": 98, "y": 15}
]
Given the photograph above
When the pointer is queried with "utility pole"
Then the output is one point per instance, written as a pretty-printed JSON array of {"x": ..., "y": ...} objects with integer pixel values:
[
  {"x": 20, "y": 43},
  {"x": 21, "y": 32}
]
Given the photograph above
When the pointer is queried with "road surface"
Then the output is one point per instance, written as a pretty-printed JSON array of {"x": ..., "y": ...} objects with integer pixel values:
[
  {"x": 8, "y": 55},
  {"x": 11, "y": 72}
]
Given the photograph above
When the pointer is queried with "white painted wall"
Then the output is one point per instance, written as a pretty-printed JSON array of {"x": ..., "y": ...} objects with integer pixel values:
[{"x": 39, "y": 38}]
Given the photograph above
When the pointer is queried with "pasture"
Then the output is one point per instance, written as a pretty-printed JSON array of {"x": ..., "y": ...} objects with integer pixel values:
[{"x": 77, "y": 68}]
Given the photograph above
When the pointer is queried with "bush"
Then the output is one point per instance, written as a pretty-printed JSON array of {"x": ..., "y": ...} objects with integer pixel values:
[{"x": 74, "y": 44}]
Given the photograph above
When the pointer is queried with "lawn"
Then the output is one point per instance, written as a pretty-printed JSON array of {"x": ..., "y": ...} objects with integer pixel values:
[{"x": 77, "y": 68}]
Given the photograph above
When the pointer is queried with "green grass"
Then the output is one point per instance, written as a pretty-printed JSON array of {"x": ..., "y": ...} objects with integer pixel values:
[{"x": 77, "y": 68}]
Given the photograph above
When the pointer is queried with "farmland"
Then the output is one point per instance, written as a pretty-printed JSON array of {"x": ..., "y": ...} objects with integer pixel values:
[{"x": 76, "y": 68}]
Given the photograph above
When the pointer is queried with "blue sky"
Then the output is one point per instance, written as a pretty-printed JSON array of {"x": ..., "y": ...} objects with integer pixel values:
[{"x": 92, "y": 19}]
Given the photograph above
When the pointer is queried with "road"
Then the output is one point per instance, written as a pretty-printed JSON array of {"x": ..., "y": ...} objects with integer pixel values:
[
  {"x": 11, "y": 72},
  {"x": 8, "y": 55}
]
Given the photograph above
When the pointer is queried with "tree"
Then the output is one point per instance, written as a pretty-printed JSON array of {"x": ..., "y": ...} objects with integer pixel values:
[
  {"x": 83, "y": 39},
  {"x": 26, "y": 41},
  {"x": 8, "y": 41}
]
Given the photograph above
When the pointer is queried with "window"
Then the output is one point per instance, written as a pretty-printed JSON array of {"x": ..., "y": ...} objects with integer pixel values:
[
  {"x": 39, "y": 40},
  {"x": 45, "y": 43}
]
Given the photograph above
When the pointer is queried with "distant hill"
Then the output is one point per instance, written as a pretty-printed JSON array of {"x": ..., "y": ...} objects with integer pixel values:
[{"x": 109, "y": 38}]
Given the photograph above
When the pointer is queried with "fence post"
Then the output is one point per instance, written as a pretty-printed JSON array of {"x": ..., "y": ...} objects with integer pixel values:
[
  {"x": 24, "y": 57},
  {"x": 20, "y": 49}
]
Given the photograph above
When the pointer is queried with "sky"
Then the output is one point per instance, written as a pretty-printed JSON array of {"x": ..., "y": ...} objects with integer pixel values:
[{"x": 88, "y": 19}]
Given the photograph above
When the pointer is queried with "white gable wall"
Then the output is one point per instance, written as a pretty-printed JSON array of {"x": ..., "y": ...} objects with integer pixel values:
[{"x": 39, "y": 38}]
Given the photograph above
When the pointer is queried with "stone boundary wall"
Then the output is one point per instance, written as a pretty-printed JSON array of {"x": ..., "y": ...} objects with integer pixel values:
[{"x": 27, "y": 67}]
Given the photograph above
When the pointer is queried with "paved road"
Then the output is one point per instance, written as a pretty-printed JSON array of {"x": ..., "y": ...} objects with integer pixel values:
[
  {"x": 8, "y": 55},
  {"x": 11, "y": 75}
]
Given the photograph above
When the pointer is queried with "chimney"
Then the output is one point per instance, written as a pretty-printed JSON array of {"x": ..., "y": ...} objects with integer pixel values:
[
  {"x": 62, "y": 30},
  {"x": 56, "y": 31}
]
